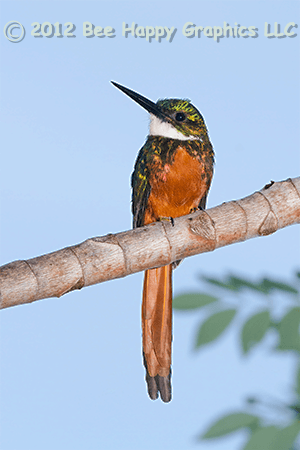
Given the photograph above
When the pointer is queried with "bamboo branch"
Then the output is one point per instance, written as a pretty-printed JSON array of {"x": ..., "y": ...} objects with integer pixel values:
[{"x": 104, "y": 258}]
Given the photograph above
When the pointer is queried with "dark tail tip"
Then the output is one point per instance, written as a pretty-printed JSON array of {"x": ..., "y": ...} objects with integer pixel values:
[
  {"x": 164, "y": 387},
  {"x": 152, "y": 386},
  {"x": 159, "y": 384}
]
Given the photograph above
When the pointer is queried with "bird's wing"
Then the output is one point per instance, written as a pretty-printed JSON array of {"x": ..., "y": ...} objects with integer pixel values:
[{"x": 140, "y": 188}]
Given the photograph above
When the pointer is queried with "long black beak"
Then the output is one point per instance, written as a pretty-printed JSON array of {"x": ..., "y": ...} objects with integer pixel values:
[{"x": 150, "y": 106}]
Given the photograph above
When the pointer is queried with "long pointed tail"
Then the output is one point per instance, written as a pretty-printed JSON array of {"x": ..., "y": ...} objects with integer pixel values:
[{"x": 157, "y": 331}]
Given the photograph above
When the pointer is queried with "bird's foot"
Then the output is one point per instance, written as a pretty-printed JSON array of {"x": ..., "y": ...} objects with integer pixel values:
[
  {"x": 167, "y": 219},
  {"x": 192, "y": 210}
]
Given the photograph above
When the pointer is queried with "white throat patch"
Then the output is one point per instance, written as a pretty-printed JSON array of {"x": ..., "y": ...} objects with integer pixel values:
[{"x": 165, "y": 129}]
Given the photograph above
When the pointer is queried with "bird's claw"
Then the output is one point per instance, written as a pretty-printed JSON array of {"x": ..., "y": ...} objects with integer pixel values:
[
  {"x": 196, "y": 209},
  {"x": 167, "y": 219}
]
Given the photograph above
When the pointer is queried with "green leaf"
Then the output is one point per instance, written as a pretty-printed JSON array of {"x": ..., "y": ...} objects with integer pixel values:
[
  {"x": 192, "y": 301},
  {"x": 230, "y": 423},
  {"x": 270, "y": 284},
  {"x": 262, "y": 439},
  {"x": 212, "y": 327},
  {"x": 287, "y": 436},
  {"x": 236, "y": 284},
  {"x": 242, "y": 283},
  {"x": 264, "y": 286},
  {"x": 254, "y": 330},
  {"x": 220, "y": 284},
  {"x": 288, "y": 329}
]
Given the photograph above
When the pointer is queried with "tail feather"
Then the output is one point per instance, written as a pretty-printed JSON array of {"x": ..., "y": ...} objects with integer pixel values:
[
  {"x": 157, "y": 331},
  {"x": 158, "y": 384}
]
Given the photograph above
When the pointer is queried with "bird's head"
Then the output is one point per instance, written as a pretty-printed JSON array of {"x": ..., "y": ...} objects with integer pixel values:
[{"x": 171, "y": 118}]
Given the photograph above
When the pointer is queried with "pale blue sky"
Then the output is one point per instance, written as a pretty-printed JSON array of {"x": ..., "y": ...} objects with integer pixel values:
[{"x": 71, "y": 369}]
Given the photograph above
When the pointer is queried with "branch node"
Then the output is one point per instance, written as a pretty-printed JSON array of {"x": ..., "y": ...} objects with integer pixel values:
[
  {"x": 269, "y": 225},
  {"x": 203, "y": 226},
  {"x": 78, "y": 285},
  {"x": 268, "y": 185},
  {"x": 81, "y": 281}
]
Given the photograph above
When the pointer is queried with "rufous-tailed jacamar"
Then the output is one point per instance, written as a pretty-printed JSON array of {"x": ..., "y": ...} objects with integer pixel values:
[{"x": 171, "y": 178}]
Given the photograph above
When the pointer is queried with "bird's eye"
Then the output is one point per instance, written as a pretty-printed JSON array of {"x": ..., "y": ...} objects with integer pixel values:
[{"x": 180, "y": 117}]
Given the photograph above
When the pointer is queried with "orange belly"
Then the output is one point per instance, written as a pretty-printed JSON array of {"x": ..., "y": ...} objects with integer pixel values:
[{"x": 177, "y": 189}]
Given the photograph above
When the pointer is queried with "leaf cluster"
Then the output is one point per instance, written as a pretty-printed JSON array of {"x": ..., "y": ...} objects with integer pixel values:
[
  {"x": 261, "y": 437},
  {"x": 219, "y": 317}
]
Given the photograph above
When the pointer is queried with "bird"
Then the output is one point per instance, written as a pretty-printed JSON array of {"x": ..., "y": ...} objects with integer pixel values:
[{"x": 171, "y": 178}]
